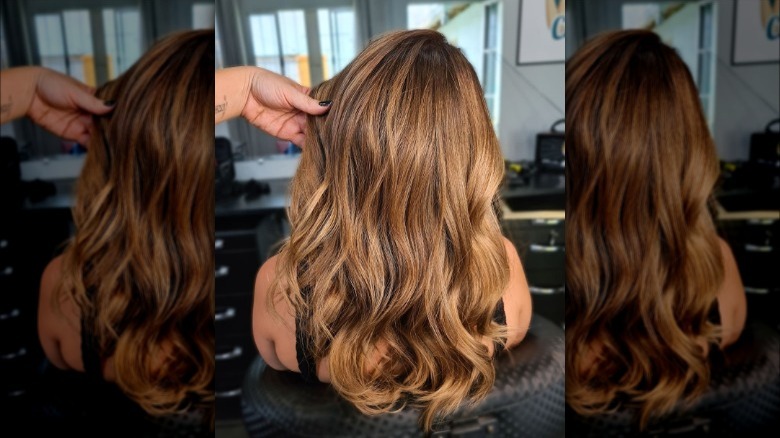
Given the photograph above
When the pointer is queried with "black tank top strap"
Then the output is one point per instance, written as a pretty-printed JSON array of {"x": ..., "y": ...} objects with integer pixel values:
[
  {"x": 90, "y": 354},
  {"x": 499, "y": 317},
  {"x": 303, "y": 343}
]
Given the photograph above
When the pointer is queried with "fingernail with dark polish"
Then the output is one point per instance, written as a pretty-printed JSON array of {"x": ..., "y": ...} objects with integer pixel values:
[
  {"x": 326, "y": 103},
  {"x": 109, "y": 102}
]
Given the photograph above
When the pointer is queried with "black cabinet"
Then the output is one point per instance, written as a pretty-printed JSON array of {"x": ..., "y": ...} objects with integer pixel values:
[
  {"x": 243, "y": 242},
  {"x": 541, "y": 245},
  {"x": 756, "y": 247},
  {"x": 29, "y": 239}
]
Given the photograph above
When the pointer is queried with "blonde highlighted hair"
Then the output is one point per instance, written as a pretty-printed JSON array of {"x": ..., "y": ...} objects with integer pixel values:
[
  {"x": 140, "y": 266},
  {"x": 394, "y": 236},
  {"x": 643, "y": 263}
]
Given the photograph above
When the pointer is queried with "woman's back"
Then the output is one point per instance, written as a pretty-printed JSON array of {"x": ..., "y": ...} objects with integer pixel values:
[
  {"x": 396, "y": 264},
  {"x": 645, "y": 268},
  {"x": 130, "y": 300}
]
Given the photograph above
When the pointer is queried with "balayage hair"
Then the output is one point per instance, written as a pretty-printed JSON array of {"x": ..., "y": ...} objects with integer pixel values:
[
  {"x": 394, "y": 237},
  {"x": 140, "y": 266},
  {"x": 643, "y": 263}
]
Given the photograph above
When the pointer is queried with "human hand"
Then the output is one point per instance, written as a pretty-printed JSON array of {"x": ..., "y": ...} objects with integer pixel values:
[
  {"x": 64, "y": 106},
  {"x": 278, "y": 106}
]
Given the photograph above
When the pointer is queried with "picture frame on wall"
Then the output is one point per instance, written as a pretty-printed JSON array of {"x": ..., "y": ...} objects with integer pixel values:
[
  {"x": 541, "y": 34},
  {"x": 756, "y": 32}
]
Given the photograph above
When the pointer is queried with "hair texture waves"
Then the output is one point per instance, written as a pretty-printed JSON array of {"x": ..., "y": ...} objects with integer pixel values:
[
  {"x": 140, "y": 266},
  {"x": 643, "y": 263},
  {"x": 394, "y": 236}
]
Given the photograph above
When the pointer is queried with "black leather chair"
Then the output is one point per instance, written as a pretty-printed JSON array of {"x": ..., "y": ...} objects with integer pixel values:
[
  {"x": 527, "y": 400},
  {"x": 743, "y": 398}
]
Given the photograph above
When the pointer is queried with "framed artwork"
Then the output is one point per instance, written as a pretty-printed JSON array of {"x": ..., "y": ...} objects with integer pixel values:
[
  {"x": 541, "y": 35},
  {"x": 756, "y": 32}
]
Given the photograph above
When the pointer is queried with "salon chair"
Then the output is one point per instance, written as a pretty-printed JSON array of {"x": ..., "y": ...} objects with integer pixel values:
[
  {"x": 527, "y": 400},
  {"x": 71, "y": 403},
  {"x": 743, "y": 398}
]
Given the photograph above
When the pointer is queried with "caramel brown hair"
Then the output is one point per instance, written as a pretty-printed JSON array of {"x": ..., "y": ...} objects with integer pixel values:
[
  {"x": 140, "y": 266},
  {"x": 394, "y": 237},
  {"x": 643, "y": 263}
]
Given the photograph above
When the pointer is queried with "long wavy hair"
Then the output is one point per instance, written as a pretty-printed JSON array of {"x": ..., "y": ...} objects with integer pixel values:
[
  {"x": 140, "y": 266},
  {"x": 394, "y": 237},
  {"x": 643, "y": 262}
]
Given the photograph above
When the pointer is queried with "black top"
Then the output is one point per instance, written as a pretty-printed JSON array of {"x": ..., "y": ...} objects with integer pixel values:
[
  {"x": 308, "y": 365},
  {"x": 93, "y": 365},
  {"x": 110, "y": 406}
]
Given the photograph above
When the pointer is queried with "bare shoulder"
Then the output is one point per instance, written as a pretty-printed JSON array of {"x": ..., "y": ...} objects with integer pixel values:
[
  {"x": 517, "y": 298},
  {"x": 273, "y": 329},
  {"x": 50, "y": 279},
  {"x": 263, "y": 281},
  {"x": 58, "y": 323},
  {"x": 732, "y": 302}
]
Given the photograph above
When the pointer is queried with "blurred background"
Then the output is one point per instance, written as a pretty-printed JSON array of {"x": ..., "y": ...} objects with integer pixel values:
[
  {"x": 310, "y": 41},
  {"x": 517, "y": 50},
  {"x": 93, "y": 41}
]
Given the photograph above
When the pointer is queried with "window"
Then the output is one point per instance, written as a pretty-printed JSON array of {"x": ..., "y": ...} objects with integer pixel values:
[
  {"x": 337, "y": 39},
  {"x": 706, "y": 59},
  {"x": 279, "y": 42},
  {"x": 122, "y": 29},
  {"x": 492, "y": 59},
  {"x": 65, "y": 43},
  {"x": 4, "y": 61},
  {"x": 203, "y": 15},
  {"x": 219, "y": 61}
]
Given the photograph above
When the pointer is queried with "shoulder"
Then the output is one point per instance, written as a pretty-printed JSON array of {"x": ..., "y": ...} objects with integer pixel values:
[
  {"x": 263, "y": 281},
  {"x": 272, "y": 329},
  {"x": 65, "y": 308},
  {"x": 732, "y": 302},
  {"x": 57, "y": 321},
  {"x": 517, "y": 298},
  {"x": 51, "y": 276}
]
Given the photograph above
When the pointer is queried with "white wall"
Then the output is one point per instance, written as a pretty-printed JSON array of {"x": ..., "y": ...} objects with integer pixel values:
[
  {"x": 466, "y": 31},
  {"x": 747, "y": 97},
  {"x": 532, "y": 96},
  {"x": 679, "y": 33}
]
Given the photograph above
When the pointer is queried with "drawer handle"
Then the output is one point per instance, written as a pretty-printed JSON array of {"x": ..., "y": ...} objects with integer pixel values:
[
  {"x": 222, "y": 271},
  {"x": 546, "y": 221},
  {"x": 761, "y": 221},
  {"x": 8, "y": 270},
  {"x": 756, "y": 290},
  {"x": 546, "y": 248},
  {"x": 11, "y": 356},
  {"x": 17, "y": 393},
  {"x": 749, "y": 247},
  {"x": 219, "y": 244},
  {"x": 228, "y": 394},
  {"x": 546, "y": 290},
  {"x": 12, "y": 314},
  {"x": 232, "y": 354},
  {"x": 228, "y": 313}
]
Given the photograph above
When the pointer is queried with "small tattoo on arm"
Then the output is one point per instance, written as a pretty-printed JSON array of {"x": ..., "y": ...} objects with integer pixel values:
[
  {"x": 220, "y": 108},
  {"x": 6, "y": 107}
]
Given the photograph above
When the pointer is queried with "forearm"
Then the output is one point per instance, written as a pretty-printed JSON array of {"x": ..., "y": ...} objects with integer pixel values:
[
  {"x": 17, "y": 88},
  {"x": 231, "y": 90}
]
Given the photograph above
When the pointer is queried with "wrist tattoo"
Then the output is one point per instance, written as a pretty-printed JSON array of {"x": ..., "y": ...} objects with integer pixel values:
[
  {"x": 6, "y": 107},
  {"x": 220, "y": 108}
]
